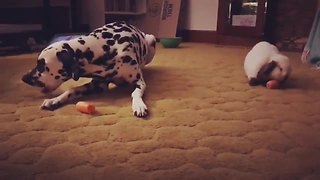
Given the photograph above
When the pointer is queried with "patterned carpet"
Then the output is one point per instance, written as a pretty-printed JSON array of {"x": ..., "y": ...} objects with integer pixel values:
[{"x": 205, "y": 123}]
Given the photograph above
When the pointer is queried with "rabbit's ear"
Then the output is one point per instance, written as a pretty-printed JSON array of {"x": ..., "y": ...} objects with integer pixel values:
[
  {"x": 265, "y": 71},
  {"x": 253, "y": 82}
]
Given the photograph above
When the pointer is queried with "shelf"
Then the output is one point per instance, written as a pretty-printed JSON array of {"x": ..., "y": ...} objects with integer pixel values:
[{"x": 125, "y": 7}]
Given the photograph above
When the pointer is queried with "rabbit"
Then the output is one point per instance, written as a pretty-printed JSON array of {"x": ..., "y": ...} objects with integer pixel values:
[{"x": 264, "y": 62}]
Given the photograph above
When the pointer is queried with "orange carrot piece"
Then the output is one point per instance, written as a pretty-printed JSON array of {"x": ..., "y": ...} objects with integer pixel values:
[{"x": 85, "y": 107}]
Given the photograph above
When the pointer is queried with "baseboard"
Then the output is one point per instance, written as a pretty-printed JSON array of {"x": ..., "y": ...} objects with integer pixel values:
[
  {"x": 216, "y": 38},
  {"x": 198, "y": 36}
]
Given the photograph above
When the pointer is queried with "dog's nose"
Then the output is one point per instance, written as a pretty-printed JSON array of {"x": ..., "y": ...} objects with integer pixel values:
[{"x": 27, "y": 79}]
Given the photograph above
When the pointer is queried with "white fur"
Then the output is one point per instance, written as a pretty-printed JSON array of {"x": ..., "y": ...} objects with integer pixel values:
[{"x": 263, "y": 53}]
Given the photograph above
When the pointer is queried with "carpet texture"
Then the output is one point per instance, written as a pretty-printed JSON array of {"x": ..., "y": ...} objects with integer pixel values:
[{"x": 205, "y": 123}]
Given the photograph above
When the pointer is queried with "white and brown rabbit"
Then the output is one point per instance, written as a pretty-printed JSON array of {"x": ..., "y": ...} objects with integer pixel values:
[{"x": 264, "y": 62}]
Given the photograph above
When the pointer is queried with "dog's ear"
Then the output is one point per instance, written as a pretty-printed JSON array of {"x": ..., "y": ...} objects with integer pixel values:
[
  {"x": 70, "y": 64},
  {"x": 265, "y": 71}
]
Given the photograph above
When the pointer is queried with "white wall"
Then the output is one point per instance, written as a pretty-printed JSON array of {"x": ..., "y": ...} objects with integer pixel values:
[{"x": 199, "y": 15}]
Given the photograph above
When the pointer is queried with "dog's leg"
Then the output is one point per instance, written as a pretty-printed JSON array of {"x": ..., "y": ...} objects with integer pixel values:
[
  {"x": 92, "y": 87},
  {"x": 138, "y": 106}
]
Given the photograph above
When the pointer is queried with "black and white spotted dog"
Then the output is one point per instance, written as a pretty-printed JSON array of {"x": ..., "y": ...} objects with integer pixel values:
[{"x": 114, "y": 53}]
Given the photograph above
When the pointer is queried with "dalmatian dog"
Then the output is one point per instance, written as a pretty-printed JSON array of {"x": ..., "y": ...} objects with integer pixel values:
[
  {"x": 115, "y": 53},
  {"x": 264, "y": 62}
]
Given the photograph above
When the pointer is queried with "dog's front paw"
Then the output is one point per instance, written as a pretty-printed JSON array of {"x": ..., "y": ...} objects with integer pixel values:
[
  {"x": 51, "y": 104},
  {"x": 139, "y": 108}
]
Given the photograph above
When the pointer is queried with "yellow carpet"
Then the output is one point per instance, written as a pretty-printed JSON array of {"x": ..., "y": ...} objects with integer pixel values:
[{"x": 205, "y": 123}]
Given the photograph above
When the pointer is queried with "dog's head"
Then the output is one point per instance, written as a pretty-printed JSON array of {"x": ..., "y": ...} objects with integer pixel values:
[
  {"x": 43, "y": 76},
  {"x": 51, "y": 70},
  {"x": 278, "y": 69},
  {"x": 151, "y": 40}
]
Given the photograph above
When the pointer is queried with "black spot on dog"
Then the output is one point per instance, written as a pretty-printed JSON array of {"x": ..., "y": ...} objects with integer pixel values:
[
  {"x": 109, "y": 26},
  {"x": 41, "y": 65},
  {"x": 69, "y": 95},
  {"x": 98, "y": 31},
  {"x": 130, "y": 75},
  {"x": 47, "y": 69},
  {"x": 106, "y": 48},
  {"x": 67, "y": 59},
  {"x": 98, "y": 72},
  {"x": 118, "y": 24},
  {"x": 123, "y": 29},
  {"x": 126, "y": 29},
  {"x": 135, "y": 38},
  {"x": 118, "y": 30},
  {"x": 114, "y": 73},
  {"x": 88, "y": 55},
  {"x": 113, "y": 54},
  {"x": 48, "y": 48},
  {"x": 138, "y": 76},
  {"x": 110, "y": 42},
  {"x": 132, "y": 27},
  {"x": 51, "y": 74},
  {"x": 81, "y": 42},
  {"x": 62, "y": 72},
  {"x": 105, "y": 57},
  {"x": 78, "y": 54},
  {"x": 67, "y": 47},
  {"x": 126, "y": 59},
  {"x": 144, "y": 50},
  {"x": 110, "y": 66},
  {"x": 106, "y": 35},
  {"x": 128, "y": 47},
  {"x": 117, "y": 36},
  {"x": 124, "y": 39},
  {"x": 133, "y": 62},
  {"x": 57, "y": 77},
  {"x": 102, "y": 59},
  {"x": 138, "y": 86}
]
